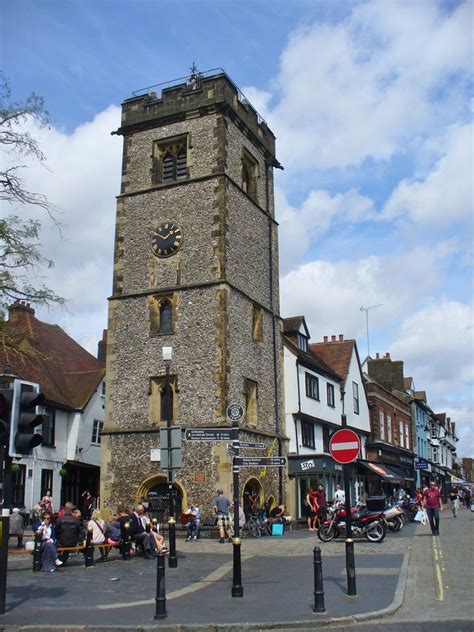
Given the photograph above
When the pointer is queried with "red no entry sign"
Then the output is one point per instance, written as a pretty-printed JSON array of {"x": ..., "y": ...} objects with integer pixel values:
[{"x": 344, "y": 446}]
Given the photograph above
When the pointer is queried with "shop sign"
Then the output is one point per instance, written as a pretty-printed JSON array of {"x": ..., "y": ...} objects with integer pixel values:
[
  {"x": 421, "y": 465},
  {"x": 307, "y": 465}
]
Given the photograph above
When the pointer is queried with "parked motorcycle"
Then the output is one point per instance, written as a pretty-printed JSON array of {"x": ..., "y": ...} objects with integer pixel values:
[
  {"x": 364, "y": 523},
  {"x": 394, "y": 517}
]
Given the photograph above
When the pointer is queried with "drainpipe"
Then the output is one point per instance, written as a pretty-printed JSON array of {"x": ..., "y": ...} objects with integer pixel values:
[{"x": 268, "y": 166}]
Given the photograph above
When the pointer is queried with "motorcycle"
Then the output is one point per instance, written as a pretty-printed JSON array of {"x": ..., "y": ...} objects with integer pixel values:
[
  {"x": 394, "y": 517},
  {"x": 364, "y": 522}
]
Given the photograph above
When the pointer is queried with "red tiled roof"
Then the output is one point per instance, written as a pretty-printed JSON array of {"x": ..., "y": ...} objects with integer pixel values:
[
  {"x": 336, "y": 354},
  {"x": 67, "y": 374}
]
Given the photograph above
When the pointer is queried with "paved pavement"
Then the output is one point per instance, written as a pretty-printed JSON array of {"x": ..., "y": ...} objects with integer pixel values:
[{"x": 411, "y": 577}]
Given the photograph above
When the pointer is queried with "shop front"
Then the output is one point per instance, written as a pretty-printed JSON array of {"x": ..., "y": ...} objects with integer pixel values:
[
  {"x": 378, "y": 479},
  {"x": 310, "y": 471}
]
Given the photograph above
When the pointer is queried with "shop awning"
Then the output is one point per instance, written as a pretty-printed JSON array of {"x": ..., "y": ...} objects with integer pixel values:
[
  {"x": 402, "y": 473},
  {"x": 458, "y": 481},
  {"x": 381, "y": 470}
]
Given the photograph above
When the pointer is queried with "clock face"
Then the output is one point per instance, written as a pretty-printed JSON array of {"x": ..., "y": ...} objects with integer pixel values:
[{"x": 166, "y": 240}]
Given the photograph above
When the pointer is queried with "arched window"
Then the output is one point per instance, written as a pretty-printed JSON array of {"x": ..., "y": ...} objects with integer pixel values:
[
  {"x": 166, "y": 317},
  {"x": 166, "y": 403},
  {"x": 169, "y": 160}
]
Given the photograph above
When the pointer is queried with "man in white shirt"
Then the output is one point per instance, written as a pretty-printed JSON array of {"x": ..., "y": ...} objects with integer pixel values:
[{"x": 339, "y": 495}]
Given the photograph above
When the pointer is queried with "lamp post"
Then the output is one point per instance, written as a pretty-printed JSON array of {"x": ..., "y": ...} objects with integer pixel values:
[{"x": 167, "y": 357}]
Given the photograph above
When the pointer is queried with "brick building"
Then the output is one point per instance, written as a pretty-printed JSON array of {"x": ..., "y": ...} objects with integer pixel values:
[{"x": 390, "y": 452}]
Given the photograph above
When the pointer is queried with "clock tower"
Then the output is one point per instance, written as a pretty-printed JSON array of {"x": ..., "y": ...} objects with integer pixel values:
[{"x": 195, "y": 269}]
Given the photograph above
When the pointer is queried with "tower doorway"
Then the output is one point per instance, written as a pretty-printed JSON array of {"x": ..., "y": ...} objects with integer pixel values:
[{"x": 158, "y": 501}]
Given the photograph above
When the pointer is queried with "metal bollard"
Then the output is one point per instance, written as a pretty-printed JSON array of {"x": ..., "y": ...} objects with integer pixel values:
[
  {"x": 89, "y": 553},
  {"x": 126, "y": 541},
  {"x": 172, "y": 560},
  {"x": 37, "y": 551},
  {"x": 318, "y": 581},
  {"x": 237, "y": 588},
  {"x": 350, "y": 568},
  {"x": 160, "y": 599},
  {"x": 148, "y": 526}
]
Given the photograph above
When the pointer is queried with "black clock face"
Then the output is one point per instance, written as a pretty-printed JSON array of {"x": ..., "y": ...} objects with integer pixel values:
[{"x": 166, "y": 240}]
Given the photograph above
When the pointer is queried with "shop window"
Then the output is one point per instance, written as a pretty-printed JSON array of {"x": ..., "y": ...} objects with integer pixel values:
[{"x": 46, "y": 482}]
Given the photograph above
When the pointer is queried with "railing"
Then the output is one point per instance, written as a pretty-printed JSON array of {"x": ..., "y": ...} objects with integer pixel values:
[{"x": 158, "y": 88}]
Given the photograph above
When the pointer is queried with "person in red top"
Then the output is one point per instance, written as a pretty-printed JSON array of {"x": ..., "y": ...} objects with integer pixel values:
[{"x": 433, "y": 504}]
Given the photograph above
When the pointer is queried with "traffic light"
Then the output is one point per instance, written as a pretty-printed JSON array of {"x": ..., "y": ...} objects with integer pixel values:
[
  {"x": 6, "y": 400},
  {"x": 25, "y": 418}
]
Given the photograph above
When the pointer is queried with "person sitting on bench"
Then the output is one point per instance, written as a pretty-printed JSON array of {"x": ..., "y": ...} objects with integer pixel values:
[
  {"x": 68, "y": 529},
  {"x": 193, "y": 515},
  {"x": 138, "y": 521}
]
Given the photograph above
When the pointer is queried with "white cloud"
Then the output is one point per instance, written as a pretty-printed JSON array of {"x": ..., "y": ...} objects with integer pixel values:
[
  {"x": 445, "y": 195},
  {"x": 316, "y": 216},
  {"x": 369, "y": 85},
  {"x": 330, "y": 294},
  {"x": 437, "y": 346},
  {"x": 81, "y": 178}
]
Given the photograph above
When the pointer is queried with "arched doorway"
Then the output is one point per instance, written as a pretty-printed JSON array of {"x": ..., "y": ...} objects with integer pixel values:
[
  {"x": 154, "y": 494},
  {"x": 253, "y": 496}
]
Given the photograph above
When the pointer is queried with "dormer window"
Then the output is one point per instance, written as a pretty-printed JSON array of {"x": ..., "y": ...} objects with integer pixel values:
[{"x": 302, "y": 343}]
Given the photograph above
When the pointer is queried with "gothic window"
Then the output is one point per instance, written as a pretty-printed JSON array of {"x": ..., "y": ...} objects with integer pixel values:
[
  {"x": 251, "y": 402},
  {"x": 249, "y": 174},
  {"x": 161, "y": 315},
  {"x": 257, "y": 324},
  {"x": 170, "y": 160},
  {"x": 162, "y": 400}
]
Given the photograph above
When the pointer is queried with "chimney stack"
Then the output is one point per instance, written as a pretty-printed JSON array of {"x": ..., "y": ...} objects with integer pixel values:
[
  {"x": 325, "y": 338},
  {"x": 102, "y": 347},
  {"x": 341, "y": 337},
  {"x": 333, "y": 338}
]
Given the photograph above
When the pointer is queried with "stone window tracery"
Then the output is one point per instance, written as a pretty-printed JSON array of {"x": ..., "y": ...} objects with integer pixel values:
[
  {"x": 251, "y": 402},
  {"x": 161, "y": 312},
  {"x": 170, "y": 160},
  {"x": 158, "y": 409}
]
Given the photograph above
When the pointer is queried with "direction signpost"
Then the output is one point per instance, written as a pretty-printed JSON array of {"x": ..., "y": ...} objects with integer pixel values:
[
  {"x": 235, "y": 413},
  {"x": 254, "y": 446},
  {"x": 210, "y": 434},
  {"x": 260, "y": 461}
]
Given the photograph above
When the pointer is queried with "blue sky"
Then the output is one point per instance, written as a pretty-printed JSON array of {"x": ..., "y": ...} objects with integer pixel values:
[{"x": 370, "y": 103}]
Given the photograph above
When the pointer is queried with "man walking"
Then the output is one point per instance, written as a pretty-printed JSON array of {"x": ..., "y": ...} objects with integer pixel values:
[
  {"x": 221, "y": 508},
  {"x": 433, "y": 504}
]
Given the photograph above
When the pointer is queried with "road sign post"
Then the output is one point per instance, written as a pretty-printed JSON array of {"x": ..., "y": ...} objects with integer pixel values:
[
  {"x": 235, "y": 412},
  {"x": 344, "y": 447}
]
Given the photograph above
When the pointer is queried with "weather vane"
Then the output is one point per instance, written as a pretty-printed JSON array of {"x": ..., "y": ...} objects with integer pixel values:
[{"x": 194, "y": 78}]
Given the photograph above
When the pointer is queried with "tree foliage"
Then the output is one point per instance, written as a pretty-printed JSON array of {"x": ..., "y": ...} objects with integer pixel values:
[{"x": 20, "y": 247}]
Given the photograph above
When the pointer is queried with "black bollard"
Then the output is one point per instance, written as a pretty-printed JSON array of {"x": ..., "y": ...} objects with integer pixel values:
[
  {"x": 318, "y": 581},
  {"x": 237, "y": 588},
  {"x": 37, "y": 551},
  {"x": 160, "y": 608},
  {"x": 172, "y": 560},
  {"x": 126, "y": 541},
  {"x": 350, "y": 567},
  {"x": 89, "y": 554}
]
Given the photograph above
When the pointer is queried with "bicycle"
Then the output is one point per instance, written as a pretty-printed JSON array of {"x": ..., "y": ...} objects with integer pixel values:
[{"x": 257, "y": 526}]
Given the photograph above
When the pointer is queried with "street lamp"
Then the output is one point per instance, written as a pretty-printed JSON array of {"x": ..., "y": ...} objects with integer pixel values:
[{"x": 167, "y": 357}]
